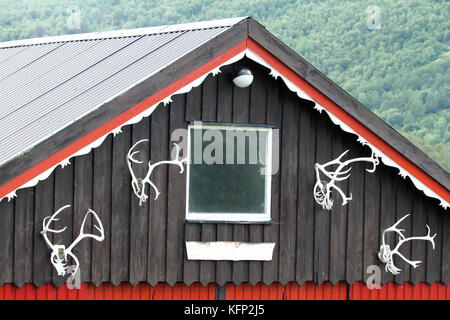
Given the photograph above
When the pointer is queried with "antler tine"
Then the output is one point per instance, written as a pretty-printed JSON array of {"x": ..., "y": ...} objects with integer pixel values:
[
  {"x": 398, "y": 222},
  {"x": 338, "y": 159},
  {"x": 100, "y": 229},
  {"x": 397, "y": 231},
  {"x": 426, "y": 237},
  {"x": 130, "y": 153},
  {"x": 394, "y": 228},
  {"x": 334, "y": 161},
  {"x": 48, "y": 220},
  {"x": 392, "y": 268},
  {"x": 341, "y": 178},
  {"x": 83, "y": 235},
  {"x": 134, "y": 145},
  {"x": 130, "y": 157},
  {"x": 340, "y": 173},
  {"x": 431, "y": 237}
]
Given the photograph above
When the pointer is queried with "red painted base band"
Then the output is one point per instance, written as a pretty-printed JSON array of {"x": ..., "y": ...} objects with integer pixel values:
[{"x": 244, "y": 291}]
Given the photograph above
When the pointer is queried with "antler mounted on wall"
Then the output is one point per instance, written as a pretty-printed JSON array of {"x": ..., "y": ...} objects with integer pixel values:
[
  {"x": 386, "y": 255},
  {"x": 322, "y": 189},
  {"x": 59, "y": 252},
  {"x": 138, "y": 184}
]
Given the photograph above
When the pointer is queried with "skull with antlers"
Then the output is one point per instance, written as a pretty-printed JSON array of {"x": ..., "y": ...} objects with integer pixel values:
[
  {"x": 59, "y": 252},
  {"x": 138, "y": 184},
  {"x": 386, "y": 255},
  {"x": 322, "y": 189}
]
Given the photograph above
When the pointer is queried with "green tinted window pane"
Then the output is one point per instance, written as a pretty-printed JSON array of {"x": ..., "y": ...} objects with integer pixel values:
[{"x": 234, "y": 184}]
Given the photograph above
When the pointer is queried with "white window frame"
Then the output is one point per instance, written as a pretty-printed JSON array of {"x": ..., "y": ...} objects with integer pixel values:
[{"x": 233, "y": 217}]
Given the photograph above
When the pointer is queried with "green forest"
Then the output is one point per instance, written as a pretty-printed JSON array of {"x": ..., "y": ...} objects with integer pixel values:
[{"x": 394, "y": 57}]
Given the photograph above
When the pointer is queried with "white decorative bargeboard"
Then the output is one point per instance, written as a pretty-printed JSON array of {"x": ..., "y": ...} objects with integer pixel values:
[
  {"x": 386, "y": 255},
  {"x": 59, "y": 252}
]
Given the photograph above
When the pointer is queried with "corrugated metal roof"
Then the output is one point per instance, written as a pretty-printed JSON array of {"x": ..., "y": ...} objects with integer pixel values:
[{"x": 48, "y": 83}]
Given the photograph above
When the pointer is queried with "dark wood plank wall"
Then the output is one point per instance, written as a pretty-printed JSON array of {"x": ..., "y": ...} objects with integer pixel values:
[
  {"x": 241, "y": 114},
  {"x": 147, "y": 243},
  {"x": 159, "y": 150},
  {"x": 271, "y": 232},
  {"x": 208, "y": 233},
  {"x": 120, "y": 208},
  {"x": 224, "y": 113},
  {"x": 44, "y": 203},
  {"x": 338, "y": 223}
]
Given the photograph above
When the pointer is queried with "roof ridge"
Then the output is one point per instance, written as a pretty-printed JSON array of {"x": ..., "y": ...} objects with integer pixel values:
[{"x": 227, "y": 22}]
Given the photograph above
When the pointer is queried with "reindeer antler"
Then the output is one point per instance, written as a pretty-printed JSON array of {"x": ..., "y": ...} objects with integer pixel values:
[
  {"x": 322, "y": 189},
  {"x": 57, "y": 256},
  {"x": 386, "y": 255},
  {"x": 59, "y": 253},
  {"x": 83, "y": 235},
  {"x": 138, "y": 185},
  {"x": 48, "y": 220}
]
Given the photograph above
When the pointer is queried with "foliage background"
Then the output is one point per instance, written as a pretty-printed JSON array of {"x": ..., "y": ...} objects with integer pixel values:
[{"x": 401, "y": 71}]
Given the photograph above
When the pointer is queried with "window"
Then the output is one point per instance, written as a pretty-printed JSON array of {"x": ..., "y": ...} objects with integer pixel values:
[{"x": 229, "y": 173}]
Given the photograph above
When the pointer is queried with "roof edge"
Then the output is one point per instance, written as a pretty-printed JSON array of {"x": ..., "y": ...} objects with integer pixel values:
[{"x": 228, "y": 22}]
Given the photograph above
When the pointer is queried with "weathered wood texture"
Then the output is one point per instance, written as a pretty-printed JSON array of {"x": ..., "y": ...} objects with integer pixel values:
[{"x": 147, "y": 243}]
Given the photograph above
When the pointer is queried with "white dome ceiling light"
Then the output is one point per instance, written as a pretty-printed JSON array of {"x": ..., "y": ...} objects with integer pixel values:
[{"x": 243, "y": 78}]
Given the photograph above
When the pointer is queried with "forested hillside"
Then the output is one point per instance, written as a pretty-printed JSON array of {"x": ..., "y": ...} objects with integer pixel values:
[{"x": 399, "y": 68}]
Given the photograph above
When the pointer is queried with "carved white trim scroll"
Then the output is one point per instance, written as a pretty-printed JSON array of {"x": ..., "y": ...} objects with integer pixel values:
[
  {"x": 59, "y": 252},
  {"x": 386, "y": 255},
  {"x": 322, "y": 189},
  {"x": 138, "y": 184}
]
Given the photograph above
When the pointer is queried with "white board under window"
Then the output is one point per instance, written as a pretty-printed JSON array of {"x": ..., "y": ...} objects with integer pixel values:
[{"x": 228, "y": 250}]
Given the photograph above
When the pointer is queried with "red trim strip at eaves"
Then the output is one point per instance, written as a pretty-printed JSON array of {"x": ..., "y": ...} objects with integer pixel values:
[{"x": 114, "y": 123}]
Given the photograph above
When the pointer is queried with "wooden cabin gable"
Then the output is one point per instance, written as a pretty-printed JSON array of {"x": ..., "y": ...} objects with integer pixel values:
[{"x": 147, "y": 243}]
